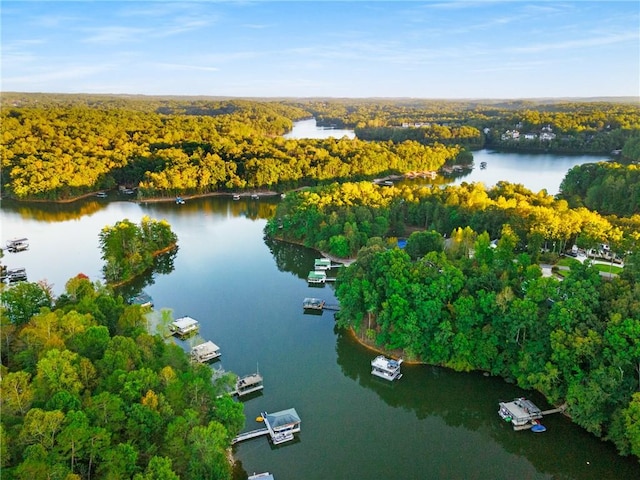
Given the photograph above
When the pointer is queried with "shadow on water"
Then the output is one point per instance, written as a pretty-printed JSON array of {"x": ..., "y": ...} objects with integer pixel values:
[
  {"x": 292, "y": 258},
  {"x": 470, "y": 401},
  {"x": 54, "y": 212},
  {"x": 163, "y": 264}
]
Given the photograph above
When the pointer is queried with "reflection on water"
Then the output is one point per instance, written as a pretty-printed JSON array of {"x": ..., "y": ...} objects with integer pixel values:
[
  {"x": 163, "y": 264},
  {"x": 54, "y": 212},
  {"x": 468, "y": 401},
  {"x": 290, "y": 257}
]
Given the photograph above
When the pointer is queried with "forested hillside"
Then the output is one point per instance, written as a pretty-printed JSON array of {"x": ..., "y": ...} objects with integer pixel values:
[
  {"x": 482, "y": 305},
  {"x": 340, "y": 219},
  {"x": 61, "y": 149},
  {"x": 609, "y": 188},
  {"x": 87, "y": 392},
  {"x": 65, "y": 146}
]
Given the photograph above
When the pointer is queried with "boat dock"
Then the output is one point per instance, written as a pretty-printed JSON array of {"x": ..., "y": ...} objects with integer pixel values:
[
  {"x": 184, "y": 326},
  {"x": 321, "y": 264},
  {"x": 386, "y": 368},
  {"x": 16, "y": 275},
  {"x": 17, "y": 245},
  {"x": 205, "y": 352},
  {"x": 312, "y": 304},
  {"x": 317, "y": 305},
  {"x": 248, "y": 384},
  {"x": 523, "y": 414},
  {"x": 280, "y": 426}
]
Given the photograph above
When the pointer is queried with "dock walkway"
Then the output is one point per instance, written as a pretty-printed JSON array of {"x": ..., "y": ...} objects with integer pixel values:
[{"x": 249, "y": 435}]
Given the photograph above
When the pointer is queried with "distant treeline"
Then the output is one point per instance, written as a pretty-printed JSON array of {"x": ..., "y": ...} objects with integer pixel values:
[
  {"x": 56, "y": 151},
  {"x": 57, "y": 147},
  {"x": 577, "y": 127}
]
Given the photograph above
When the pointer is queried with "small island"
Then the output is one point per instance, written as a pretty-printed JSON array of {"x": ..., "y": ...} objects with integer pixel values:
[{"x": 129, "y": 250}]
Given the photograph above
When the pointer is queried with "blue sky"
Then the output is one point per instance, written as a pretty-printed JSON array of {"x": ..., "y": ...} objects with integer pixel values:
[{"x": 432, "y": 49}]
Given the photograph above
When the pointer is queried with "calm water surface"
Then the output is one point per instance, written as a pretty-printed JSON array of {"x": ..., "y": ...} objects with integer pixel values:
[
  {"x": 309, "y": 129},
  {"x": 247, "y": 295}
]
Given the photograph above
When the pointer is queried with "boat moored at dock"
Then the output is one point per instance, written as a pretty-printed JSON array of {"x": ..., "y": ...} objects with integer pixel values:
[
  {"x": 521, "y": 413},
  {"x": 249, "y": 384},
  {"x": 310, "y": 303},
  {"x": 322, "y": 264},
  {"x": 386, "y": 368},
  {"x": 315, "y": 277},
  {"x": 17, "y": 245},
  {"x": 184, "y": 326},
  {"x": 205, "y": 352}
]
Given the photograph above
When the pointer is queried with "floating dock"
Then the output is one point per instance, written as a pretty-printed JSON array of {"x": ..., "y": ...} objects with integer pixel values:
[
  {"x": 386, "y": 368},
  {"x": 261, "y": 476},
  {"x": 315, "y": 277},
  {"x": 310, "y": 303},
  {"x": 322, "y": 264},
  {"x": 143, "y": 299},
  {"x": 16, "y": 275},
  {"x": 317, "y": 305}
]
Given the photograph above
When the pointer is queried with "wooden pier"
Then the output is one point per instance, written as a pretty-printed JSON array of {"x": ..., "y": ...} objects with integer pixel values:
[{"x": 560, "y": 409}]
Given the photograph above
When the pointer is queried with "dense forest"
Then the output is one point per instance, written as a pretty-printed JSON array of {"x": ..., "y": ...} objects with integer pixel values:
[
  {"x": 60, "y": 147},
  {"x": 56, "y": 151},
  {"x": 468, "y": 303},
  {"x": 609, "y": 188},
  {"x": 88, "y": 392}
]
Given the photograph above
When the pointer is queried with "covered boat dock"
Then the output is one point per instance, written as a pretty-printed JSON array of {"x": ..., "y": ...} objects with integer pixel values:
[
  {"x": 184, "y": 326},
  {"x": 205, "y": 352}
]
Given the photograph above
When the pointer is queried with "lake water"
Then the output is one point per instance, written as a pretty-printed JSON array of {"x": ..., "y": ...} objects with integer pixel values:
[
  {"x": 534, "y": 171},
  {"x": 247, "y": 294},
  {"x": 309, "y": 129}
]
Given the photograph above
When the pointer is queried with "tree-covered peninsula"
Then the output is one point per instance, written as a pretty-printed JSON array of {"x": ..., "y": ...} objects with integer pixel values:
[
  {"x": 470, "y": 303},
  {"x": 88, "y": 392}
]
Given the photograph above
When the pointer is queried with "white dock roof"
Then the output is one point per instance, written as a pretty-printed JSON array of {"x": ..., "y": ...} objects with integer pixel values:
[
  {"x": 205, "y": 347},
  {"x": 185, "y": 322}
]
